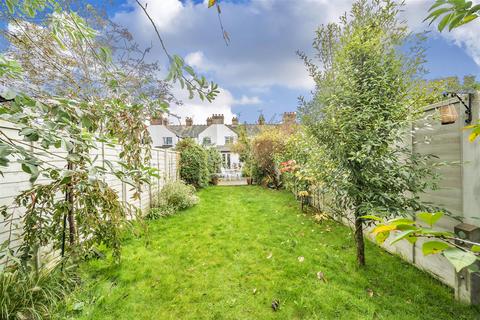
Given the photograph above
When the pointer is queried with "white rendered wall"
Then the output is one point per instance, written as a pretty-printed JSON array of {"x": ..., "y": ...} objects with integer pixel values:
[
  {"x": 158, "y": 132},
  {"x": 217, "y": 134}
]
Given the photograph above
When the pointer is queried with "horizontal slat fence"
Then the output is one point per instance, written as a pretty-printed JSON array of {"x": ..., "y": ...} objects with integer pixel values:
[
  {"x": 14, "y": 181},
  {"x": 459, "y": 186}
]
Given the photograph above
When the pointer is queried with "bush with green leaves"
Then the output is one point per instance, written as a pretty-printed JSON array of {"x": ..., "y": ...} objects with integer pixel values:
[
  {"x": 28, "y": 291},
  {"x": 214, "y": 158},
  {"x": 194, "y": 167},
  {"x": 173, "y": 197},
  {"x": 364, "y": 104}
]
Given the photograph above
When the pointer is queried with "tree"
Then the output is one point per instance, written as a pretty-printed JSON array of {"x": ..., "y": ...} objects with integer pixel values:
[
  {"x": 264, "y": 149},
  {"x": 365, "y": 101},
  {"x": 71, "y": 86},
  {"x": 214, "y": 162},
  {"x": 194, "y": 166},
  {"x": 243, "y": 146},
  {"x": 453, "y": 13}
]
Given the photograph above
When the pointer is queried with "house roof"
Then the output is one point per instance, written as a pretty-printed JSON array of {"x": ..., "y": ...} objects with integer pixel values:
[
  {"x": 252, "y": 129},
  {"x": 193, "y": 131},
  {"x": 187, "y": 131}
]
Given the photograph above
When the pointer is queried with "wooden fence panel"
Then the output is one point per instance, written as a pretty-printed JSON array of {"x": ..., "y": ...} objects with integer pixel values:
[{"x": 14, "y": 181}]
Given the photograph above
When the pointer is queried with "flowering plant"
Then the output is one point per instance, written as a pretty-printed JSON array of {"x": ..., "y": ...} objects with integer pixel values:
[{"x": 288, "y": 166}]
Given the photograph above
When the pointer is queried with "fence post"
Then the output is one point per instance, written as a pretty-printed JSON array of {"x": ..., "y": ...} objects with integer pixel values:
[
  {"x": 471, "y": 171},
  {"x": 467, "y": 283},
  {"x": 165, "y": 159}
]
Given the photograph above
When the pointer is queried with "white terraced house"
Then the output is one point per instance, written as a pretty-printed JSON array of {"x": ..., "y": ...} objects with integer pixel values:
[{"x": 214, "y": 133}]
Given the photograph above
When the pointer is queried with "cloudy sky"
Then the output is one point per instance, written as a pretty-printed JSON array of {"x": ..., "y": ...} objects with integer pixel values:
[{"x": 259, "y": 71}]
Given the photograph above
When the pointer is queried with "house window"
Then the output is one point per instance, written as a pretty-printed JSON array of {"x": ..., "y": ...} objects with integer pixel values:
[
  {"x": 167, "y": 141},
  {"x": 228, "y": 140},
  {"x": 207, "y": 141},
  {"x": 226, "y": 160}
]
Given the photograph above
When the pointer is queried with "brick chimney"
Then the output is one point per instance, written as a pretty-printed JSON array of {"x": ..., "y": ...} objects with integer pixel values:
[
  {"x": 235, "y": 121},
  {"x": 261, "y": 119},
  {"x": 218, "y": 119},
  {"x": 189, "y": 121},
  {"x": 289, "y": 118},
  {"x": 209, "y": 121},
  {"x": 159, "y": 121}
]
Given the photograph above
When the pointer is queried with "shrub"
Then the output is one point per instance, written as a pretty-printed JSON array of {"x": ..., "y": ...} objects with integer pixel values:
[
  {"x": 265, "y": 147},
  {"x": 173, "y": 197},
  {"x": 27, "y": 293},
  {"x": 193, "y": 163},
  {"x": 214, "y": 158}
]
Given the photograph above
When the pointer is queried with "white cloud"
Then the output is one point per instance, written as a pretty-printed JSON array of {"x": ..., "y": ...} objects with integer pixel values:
[
  {"x": 265, "y": 35},
  {"x": 244, "y": 100},
  {"x": 199, "y": 110},
  {"x": 466, "y": 36}
]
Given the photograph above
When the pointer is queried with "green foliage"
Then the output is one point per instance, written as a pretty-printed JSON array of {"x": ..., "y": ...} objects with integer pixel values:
[
  {"x": 9, "y": 68},
  {"x": 243, "y": 146},
  {"x": 32, "y": 292},
  {"x": 365, "y": 101},
  {"x": 214, "y": 161},
  {"x": 194, "y": 167},
  {"x": 264, "y": 147},
  {"x": 252, "y": 237},
  {"x": 91, "y": 88},
  {"x": 174, "y": 196},
  {"x": 447, "y": 243},
  {"x": 433, "y": 90},
  {"x": 194, "y": 83},
  {"x": 452, "y": 13}
]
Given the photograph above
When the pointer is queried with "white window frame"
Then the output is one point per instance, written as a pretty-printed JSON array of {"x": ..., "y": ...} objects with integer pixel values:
[{"x": 166, "y": 139}]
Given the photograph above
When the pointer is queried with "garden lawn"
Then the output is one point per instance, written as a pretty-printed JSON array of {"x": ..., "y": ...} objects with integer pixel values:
[{"x": 240, "y": 249}]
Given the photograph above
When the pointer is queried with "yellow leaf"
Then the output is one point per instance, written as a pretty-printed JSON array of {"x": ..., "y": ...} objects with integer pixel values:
[
  {"x": 472, "y": 136},
  {"x": 211, "y": 3},
  {"x": 386, "y": 228}
]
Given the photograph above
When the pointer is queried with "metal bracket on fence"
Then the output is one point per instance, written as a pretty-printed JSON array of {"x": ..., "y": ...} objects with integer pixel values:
[{"x": 468, "y": 107}]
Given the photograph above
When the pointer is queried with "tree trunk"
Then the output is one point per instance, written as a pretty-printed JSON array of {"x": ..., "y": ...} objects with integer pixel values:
[
  {"x": 359, "y": 241},
  {"x": 70, "y": 216}
]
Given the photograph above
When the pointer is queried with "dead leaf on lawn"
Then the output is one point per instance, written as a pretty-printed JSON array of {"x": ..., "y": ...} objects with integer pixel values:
[
  {"x": 270, "y": 255},
  {"x": 370, "y": 292},
  {"x": 301, "y": 259},
  {"x": 254, "y": 290},
  {"x": 318, "y": 217},
  {"x": 321, "y": 276},
  {"x": 275, "y": 305}
]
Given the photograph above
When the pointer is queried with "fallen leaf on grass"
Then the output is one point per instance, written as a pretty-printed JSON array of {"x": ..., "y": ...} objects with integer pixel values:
[
  {"x": 270, "y": 256},
  {"x": 254, "y": 290},
  {"x": 321, "y": 276},
  {"x": 301, "y": 259},
  {"x": 78, "y": 306},
  {"x": 370, "y": 292},
  {"x": 275, "y": 305}
]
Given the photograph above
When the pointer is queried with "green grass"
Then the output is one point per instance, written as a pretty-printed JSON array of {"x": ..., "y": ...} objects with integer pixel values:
[{"x": 210, "y": 262}]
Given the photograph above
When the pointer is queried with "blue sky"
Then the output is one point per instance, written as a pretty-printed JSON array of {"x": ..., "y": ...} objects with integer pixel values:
[{"x": 259, "y": 71}]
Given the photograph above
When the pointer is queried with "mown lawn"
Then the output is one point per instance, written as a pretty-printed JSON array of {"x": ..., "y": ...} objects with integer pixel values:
[{"x": 238, "y": 250}]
